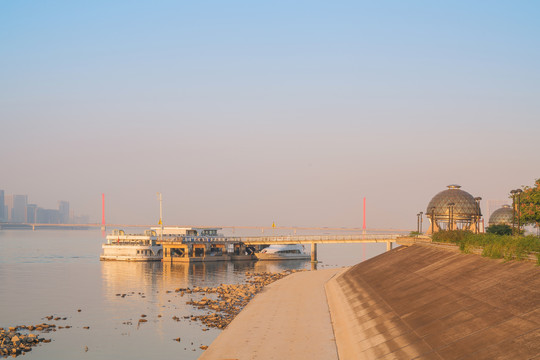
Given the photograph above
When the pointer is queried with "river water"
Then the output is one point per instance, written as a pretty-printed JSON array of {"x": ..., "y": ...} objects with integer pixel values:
[{"x": 58, "y": 273}]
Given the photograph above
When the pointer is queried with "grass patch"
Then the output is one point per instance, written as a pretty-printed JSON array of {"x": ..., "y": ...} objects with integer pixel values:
[{"x": 494, "y": 246}]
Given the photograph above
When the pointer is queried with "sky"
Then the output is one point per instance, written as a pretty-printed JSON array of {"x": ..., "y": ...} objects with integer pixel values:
[{"x": 252, "y": 112}]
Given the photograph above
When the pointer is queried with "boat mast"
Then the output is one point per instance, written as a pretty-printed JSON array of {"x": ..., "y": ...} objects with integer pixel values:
[{"x": 161, "y": 215}]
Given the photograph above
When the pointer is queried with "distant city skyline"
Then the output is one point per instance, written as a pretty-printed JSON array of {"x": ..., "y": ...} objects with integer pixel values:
[
  {"x": 14, "y": 208},
  {"x": 250, "y": 113}
]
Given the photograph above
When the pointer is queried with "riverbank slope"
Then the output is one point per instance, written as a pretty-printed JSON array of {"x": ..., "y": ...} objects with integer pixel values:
[{"x": 433, "y": 303}]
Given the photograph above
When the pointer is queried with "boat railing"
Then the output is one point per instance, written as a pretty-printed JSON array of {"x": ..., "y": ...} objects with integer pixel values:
[
  {"x": 125, "y": 243},
  {"x": 202, "y": 238}
]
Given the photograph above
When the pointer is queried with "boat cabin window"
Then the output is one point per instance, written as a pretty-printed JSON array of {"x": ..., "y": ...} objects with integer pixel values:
[
  {"x": 191, "y": 232},
  {"x": 288, "y": 252}
]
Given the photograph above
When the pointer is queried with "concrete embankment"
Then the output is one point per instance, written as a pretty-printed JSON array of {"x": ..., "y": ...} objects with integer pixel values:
[
  {"x": 416, "y": 302},
  {"x": 289, "y": 319},
  {"x": 430, "y": 303}
]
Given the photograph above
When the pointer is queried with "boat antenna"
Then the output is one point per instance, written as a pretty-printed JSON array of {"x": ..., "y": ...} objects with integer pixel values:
[
  {"x": 160, "y": 215},
  {"x": 103, "y": 223}
]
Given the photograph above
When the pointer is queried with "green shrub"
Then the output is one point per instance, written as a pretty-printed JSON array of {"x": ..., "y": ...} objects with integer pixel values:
[
  {"x": 494, "y": 246},
  {"x": 499, "y": 229}
]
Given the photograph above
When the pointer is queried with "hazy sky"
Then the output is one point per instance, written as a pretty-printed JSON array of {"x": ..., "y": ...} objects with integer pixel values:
[{"x": 248, "y": 112}]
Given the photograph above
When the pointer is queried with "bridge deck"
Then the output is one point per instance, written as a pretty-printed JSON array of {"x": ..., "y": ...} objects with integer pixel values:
[
  {"x": 319, "y": 239},
  {"x": 292, "y": 239}
]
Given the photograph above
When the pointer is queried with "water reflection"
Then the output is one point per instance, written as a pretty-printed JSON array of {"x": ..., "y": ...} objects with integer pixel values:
[
  {"x": 277, "y": 266},
  {"x": 130, "y": 289},
  {"x": 121, "y": 277}
]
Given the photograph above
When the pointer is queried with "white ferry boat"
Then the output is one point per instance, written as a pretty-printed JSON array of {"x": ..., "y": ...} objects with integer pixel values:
[
  {"x": 283, "y": 252},
  {"x": 132, "y": 247}
]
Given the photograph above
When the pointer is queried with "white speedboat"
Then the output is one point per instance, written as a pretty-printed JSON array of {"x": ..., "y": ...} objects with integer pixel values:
[
  {"x": 132, "y": 247},
  {"x": 283, "y": 252}
]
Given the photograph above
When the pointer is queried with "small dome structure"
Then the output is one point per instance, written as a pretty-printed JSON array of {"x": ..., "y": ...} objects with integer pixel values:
[
  {"x": 502, "y": 216},
  {"x": 454, "y": 209}
]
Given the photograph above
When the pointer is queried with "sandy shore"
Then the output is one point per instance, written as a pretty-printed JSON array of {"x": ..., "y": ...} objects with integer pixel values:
[{"x": 289, "y": 319}]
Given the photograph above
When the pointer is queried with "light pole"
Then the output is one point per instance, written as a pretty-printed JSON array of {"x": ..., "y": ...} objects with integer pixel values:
[
  {"x": 513, "y": 194},
  {"x": 478, "y": 213},
  {"x": 421, "y": 220},
  {"x": 418, "y": 223},
  {"x": 451, "y": 216},
  {"x": 518, "y": 194},
  {"x": 160, "y": 215},
  {"x": 432, "y": 210}
]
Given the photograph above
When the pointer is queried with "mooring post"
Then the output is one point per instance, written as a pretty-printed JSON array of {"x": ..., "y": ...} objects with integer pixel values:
[
  {"x": 313, "y": 252},
  {"x": 388, "y": 245}
]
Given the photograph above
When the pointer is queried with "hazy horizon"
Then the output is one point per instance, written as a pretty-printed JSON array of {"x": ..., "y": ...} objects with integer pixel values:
[{"x": 245, "y": 113}]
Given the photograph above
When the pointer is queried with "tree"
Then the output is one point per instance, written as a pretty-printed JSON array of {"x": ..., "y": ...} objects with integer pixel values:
[
  {"x": 530, "y": 204},
  {"x": 501, "y": 229}
]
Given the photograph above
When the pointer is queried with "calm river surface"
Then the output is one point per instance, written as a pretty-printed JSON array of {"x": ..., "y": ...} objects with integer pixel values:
[{"x": 50, "y": 272}]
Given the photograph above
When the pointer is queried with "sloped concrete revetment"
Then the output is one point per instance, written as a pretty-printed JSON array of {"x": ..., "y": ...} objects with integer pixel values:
[{"x": 429, "y": 303}]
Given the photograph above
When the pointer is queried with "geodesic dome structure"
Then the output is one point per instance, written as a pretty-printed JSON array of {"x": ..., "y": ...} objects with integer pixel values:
[
  {"x": 502, "y": 216},
  {"x": 453, "y": 209}
]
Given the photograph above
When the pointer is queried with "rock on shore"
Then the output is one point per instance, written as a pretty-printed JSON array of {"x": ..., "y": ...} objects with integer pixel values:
[
  {"x": 231, "y": 299},
  {"x": 14, "y": 343}
]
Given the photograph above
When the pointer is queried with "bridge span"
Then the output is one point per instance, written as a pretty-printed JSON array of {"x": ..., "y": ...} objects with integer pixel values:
[
  {"x": 170, "y": 244},
  {"x": 313, "y": 240}
]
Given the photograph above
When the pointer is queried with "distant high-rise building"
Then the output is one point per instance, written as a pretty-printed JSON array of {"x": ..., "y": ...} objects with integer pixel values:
[
  {"x": 18, "y": 212},
  {"x": 48, "y": 216},
  {"x": 8, "y": 207},
  {"x": 31, "y": 213},
  {"x": 2, "y": 206},
  {"x": 40, "y": 216},
  {"x": 63, "y": 209}
]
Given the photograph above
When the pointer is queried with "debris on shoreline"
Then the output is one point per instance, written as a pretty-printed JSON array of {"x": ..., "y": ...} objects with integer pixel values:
[
  {"x": 223, "y": 303},
  {"x": 231, "y": 299},
  {"x": 14, "y": 343}
]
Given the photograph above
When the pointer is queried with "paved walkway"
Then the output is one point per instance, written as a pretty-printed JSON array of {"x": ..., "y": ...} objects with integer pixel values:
[{"x": 289, "y": 319}]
